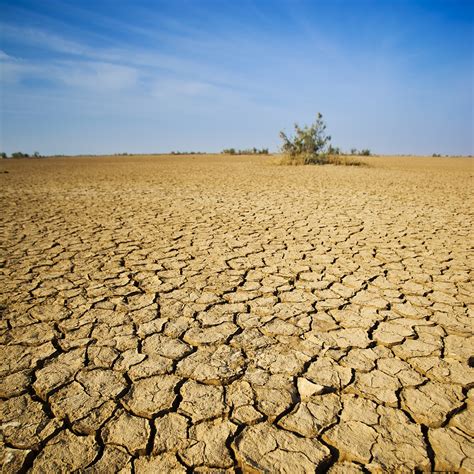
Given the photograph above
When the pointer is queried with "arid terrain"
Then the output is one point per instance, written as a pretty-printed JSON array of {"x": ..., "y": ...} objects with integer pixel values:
[{"x": 221, "y": 314}]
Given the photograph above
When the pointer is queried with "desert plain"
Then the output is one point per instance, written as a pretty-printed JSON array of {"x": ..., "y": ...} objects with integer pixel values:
[{"x": 225, "y": 314}]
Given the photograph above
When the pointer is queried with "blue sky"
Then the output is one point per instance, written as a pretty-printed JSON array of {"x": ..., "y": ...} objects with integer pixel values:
[{"x": 111, "y": 76}]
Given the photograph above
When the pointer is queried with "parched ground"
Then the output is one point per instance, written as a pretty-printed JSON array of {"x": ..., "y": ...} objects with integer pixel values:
[{"x": 217, "y": 314}]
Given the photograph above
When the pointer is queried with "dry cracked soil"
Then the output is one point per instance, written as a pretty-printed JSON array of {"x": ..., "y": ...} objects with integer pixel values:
[{"x": 223, "y": 314}]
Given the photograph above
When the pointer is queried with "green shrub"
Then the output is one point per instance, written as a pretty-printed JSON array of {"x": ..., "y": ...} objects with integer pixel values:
[
  {"x": 229, "y": 151},
  {"x": 246, "y": 151},
  {"x": 363, "y": 152},
  {"x": 19, "y": 154},
  {"x": 309, "y": 145}
]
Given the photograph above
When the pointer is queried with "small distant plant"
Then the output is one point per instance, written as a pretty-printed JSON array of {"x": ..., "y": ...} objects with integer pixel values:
[
  {"x": 334, "y": 150},
  {"x": 309, "y": 145},
  {"x": 363, "y": 152},
  {"x": 229, "y": 151},
  {"x": 3, "y": 156},
  {"x": 436, "y": 155},
  {"x": 188, "y": 153},
  {"x": 246, "y": 151},
  {"x": 19, "y": 154}
]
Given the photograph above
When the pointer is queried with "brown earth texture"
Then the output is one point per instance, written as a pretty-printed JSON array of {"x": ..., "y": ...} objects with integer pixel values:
[{"x": 225, "y": 314}]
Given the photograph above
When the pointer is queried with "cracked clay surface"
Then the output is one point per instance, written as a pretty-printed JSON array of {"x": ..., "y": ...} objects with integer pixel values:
[{"x": 221, "y": 314}]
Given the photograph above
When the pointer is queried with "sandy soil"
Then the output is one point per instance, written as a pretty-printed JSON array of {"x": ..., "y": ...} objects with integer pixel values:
[{"x": 212, "y": 313}]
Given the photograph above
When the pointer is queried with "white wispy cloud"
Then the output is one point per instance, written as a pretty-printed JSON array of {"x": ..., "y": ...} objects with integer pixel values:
[
  {"x": 96, "y": 75},
  {"x": 90, "y": 75},
  {"x": 141, "y": 72},
  {"x": 43, "y": 39},
  {"x": 181, "y": 87},
  {"x": 102, "y": 69},
  {"x": 13, "y": 70}
]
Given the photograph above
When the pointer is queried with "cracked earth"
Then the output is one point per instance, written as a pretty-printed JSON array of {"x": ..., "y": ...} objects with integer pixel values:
[{"x": 217, "y": 314}]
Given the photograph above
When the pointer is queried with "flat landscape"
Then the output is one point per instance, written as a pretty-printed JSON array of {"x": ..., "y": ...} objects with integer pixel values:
[{"x": 209, "y": 313}]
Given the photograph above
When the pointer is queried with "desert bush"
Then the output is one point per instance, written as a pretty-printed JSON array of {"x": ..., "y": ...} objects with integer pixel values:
[
  {"x": 19, "y": 154},
  {"x": 245, "y": 151},
  {"x": 188, "y": 153},
  {"x": 3, "y": 156},
  {"x": 309, "y": 145},
  {"x": 229, "y": 151},
  {"x": 363, "y": 152}
]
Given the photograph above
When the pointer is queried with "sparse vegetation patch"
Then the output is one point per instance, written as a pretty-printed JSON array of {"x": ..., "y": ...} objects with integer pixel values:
[
  {"x": 310, "y": 145},
  {"x": 246, "y": 151},
  {"x": 188, "y": 153}
]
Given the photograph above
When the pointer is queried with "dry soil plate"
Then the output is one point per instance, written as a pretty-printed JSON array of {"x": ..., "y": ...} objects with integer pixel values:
[{"x": 211, "y": 314}]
